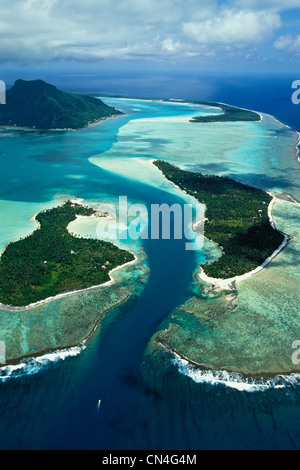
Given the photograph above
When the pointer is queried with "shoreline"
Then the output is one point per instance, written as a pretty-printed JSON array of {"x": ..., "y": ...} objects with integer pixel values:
[
  {"x": 217, "y": 283},
  {"x": 55, "y": 353},
  {"x": 297, "y": 145},
  {"x": 196, "y": 223},
  {"x": 186, "y": 102},
  {"x": 241, "y": 380},
  {"x": 209, "y": 368},
  {"x": 112, "y": 280},
  {"x": 70, "y": 129},
  {"x": 40, "y": 355},
  {"x": 220, "y": 282}
]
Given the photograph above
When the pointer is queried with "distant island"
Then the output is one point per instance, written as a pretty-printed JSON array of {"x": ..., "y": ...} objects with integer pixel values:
[
  {"x": 237, "y": 220},
  {"x": 230, "y": 114},
  {"x": 51, "y": 261},
  {"x": 36, "y": 104}
]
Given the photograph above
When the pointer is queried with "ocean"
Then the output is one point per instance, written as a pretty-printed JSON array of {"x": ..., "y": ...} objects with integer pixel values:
[{"x": 151, "y": 400}]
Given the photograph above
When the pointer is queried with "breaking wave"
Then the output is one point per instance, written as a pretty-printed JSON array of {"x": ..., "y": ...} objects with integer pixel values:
[
  {"x": 35, "y": 365},
  {"x": 234, "y": 380}
]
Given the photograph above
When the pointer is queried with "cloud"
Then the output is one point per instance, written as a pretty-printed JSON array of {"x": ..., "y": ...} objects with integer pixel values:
[
  {"x": 43, "y": 29},
  {"x": 278, "y": 5},
  {"x": 38, "y": 30},
  {"x": 235, "y": 27},
  {"x": 289, "y": 43}
]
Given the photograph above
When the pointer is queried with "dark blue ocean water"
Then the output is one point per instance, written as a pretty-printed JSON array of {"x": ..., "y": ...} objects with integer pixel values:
[
  {"x": 268, "y": 94},
  {"x": 148, "y": 406}
]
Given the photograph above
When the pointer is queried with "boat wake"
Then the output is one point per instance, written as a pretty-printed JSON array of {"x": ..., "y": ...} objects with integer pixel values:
[
  {"x": 234, "y": 380},
  {"x": 35, "y": 365},
  {"x": 99, "y": 405}
]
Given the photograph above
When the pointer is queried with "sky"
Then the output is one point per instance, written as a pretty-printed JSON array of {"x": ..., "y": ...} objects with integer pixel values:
[{"x": 79, "y": 38}]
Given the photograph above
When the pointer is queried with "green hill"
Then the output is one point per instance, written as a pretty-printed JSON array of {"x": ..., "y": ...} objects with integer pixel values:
[{"x": 40, "y": 105}]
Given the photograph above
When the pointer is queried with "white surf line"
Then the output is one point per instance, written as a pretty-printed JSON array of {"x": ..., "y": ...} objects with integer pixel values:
[
  {"x": 291, "y": 129},
  {"x": 236, "y": 380},
  {"x": 34, "y": 364}
]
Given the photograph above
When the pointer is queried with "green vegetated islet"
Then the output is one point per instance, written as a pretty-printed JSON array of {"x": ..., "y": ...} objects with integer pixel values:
[
  {"x": 36, "y": 104},
  {"x": 238, "y": 220},
  {"x": 230, "y": 114},
  {"x": 51, "y": 261}
]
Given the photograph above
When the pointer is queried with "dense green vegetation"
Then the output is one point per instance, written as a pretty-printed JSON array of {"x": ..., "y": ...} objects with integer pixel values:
[
  {"x": 51, "y": 261},
  {"x": 40, "y": 105},
  {"x": 230, "y": 114},
  {"x": 237, "y": 220}
]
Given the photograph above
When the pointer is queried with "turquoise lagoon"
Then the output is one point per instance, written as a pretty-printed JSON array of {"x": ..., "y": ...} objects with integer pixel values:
[
  {"x": 41, "y": 170},
  {"x": 151, "y": 397},
  {"x": 256, "y": 338}
]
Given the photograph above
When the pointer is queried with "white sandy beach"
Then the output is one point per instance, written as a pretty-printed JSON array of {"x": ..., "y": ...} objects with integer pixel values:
[
  {"x": 67, "y": 294},
  {"x": 221, "y": 283}
]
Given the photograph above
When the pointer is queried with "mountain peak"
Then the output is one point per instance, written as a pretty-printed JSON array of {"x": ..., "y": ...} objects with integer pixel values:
[
  {"x": 36, "y": 85},
  {"x": 38, "y": 104}
]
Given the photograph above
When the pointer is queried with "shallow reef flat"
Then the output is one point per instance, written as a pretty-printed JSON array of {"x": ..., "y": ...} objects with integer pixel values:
[
  {"x": 70, "y": 319},
  {"x": 249, "y": 327},
  {"x": 67, "y": 322},
  {"x": 51, "y": 262}
]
